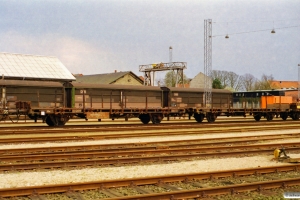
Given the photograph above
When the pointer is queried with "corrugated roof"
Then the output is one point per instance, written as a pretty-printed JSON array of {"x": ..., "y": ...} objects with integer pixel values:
[
  {"x": 108, "y": 78},
  {"x": 31, "y": 67}
]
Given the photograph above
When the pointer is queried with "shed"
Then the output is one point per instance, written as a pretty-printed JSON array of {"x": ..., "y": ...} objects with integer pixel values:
[{"x": 33, "y": 67}]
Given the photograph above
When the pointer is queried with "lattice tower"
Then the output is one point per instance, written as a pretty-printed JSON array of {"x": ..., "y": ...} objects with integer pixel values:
[{"x": 207, "y": 63}]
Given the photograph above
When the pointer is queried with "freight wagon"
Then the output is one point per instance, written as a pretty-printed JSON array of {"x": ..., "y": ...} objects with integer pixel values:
[
  {"x": 148, "y": 103},
  {"x": 35, "y": 99},
  {"x": 55, "y": 103},
  {"x": 190, "y": 101},
  {"x": 266, "y": 104},
  {"x": 102, "y": 101}
]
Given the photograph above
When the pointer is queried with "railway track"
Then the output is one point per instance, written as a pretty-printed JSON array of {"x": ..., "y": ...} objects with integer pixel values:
[
  {"x": 80, "y": 135},
  {"x": 109, "y": 189},
  {"x": 203, "y": 142},
  {"x": 108, "y": 122},
  {"x": 96, "y": 158},
  {"x": 14, "y": 130},
  {"x": 146, "y": 152},
  {"x": 127, "y": 153}
]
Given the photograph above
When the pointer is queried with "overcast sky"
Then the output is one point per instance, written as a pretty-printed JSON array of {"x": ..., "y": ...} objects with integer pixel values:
[{"x": 94, "y": 37}]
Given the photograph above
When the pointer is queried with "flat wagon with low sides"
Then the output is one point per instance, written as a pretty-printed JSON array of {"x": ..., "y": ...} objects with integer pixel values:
[
  {"x": 103, "y": 101},
  {"x": 190, "y": 101},
  {"x": 57, "y": 102},
  {"x": 35, "y": 99}
]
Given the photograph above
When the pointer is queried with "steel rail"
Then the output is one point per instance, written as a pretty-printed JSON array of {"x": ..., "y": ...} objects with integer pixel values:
[
  {"x": 129, "y": 157},
  {"x": 122, "y": 121},
  {"x": 96, "y": 185},
  {"x": 98, "y": 155},
  {"x": 206, "y": 192},
  {"x": 147, "y": 145},
  {"x": 46, "y": 138},
  {"x": 114, "y": 127}
]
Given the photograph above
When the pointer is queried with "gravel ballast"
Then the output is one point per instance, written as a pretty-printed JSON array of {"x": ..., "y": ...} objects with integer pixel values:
[{"x": 19, "y": 179}]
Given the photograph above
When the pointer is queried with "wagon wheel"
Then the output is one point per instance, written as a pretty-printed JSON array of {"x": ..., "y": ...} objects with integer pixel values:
[
  {"x": 283, "y": 116},
  {"x": 49, "y": 121},
  {"x": 257, "y": 117},
  {"x": 269, "y": 116},
  {"x": 295, "y": 116},
  {"x": 211, "y": 117},
  {"x": 57, "y": 120},
  {"x": 62, "y": 120},
  {"x": 145, "y": 118},
  {"x": 198, "y": 117},
  {"x": 156, "y": 118}
]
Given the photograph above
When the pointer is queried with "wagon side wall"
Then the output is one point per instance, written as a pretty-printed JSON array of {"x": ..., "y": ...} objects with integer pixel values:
[{"x": 40, "y": 97}]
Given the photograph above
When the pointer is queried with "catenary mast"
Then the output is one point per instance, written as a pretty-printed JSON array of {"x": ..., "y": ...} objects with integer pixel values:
[{"x": 207, "y": 63}]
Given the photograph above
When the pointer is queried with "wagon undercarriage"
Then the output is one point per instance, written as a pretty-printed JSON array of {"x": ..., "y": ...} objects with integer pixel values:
[{"x": 59, "y": 117}]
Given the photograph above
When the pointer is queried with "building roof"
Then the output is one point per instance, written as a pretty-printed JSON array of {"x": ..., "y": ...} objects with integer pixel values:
[
  {"x": 198, "y": 81},
  {"x": 284, "y": 84},
  {"x": 32, "y": 67},
  {"x": 108, "y": 78}
]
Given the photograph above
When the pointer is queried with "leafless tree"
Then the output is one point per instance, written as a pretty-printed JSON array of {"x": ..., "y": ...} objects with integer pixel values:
[
  {"x": 234, "y": 81},
  {"x": 248, "y": 82},
  {"x": 220, "y": 75},
  {"x": 229, "y": 80},
  {"x": 264, "y": 83}
]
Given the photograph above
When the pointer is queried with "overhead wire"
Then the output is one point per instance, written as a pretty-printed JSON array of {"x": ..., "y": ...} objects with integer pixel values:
[
  {"x": 256, "y": 21},
  {"x": 255, "y": 31}
]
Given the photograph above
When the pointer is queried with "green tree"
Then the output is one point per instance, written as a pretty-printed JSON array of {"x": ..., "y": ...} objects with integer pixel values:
[
  {"x": 216, "y": 84},
  {"x": 228, "y": 79},
  {"x": 170, "y": 79}
]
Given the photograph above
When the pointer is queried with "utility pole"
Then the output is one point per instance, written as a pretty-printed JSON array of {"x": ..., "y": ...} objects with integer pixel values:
[
  {"x": 207, "y": 100},
  {"x": 298, "y": 82}
]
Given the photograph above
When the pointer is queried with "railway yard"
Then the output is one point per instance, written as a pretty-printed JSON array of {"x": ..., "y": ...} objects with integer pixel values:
[
  {"x": 179, "y": 159},
  {"x": 218, "y": 136}
]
